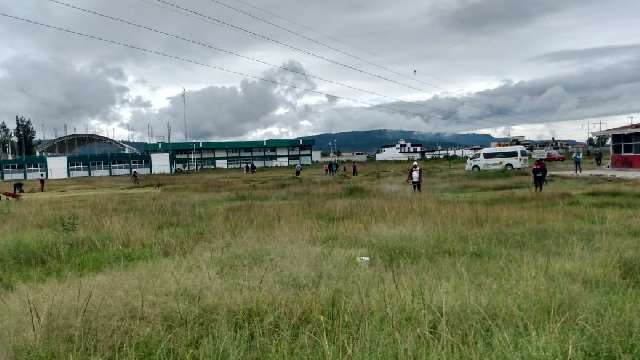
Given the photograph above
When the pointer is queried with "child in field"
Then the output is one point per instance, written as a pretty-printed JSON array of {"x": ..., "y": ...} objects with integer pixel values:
[
  {"x": 298, "y": 169},
  {"x": 539, "y": 173}
]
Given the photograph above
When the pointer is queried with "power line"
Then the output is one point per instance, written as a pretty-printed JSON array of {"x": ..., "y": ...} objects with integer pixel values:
[
  {"x": 195, "y": 62},
  {"x": 218, "y": 49},
  {"x": 245, "y": 3},
  {"x": 301, "y": 50},
  {"x": 305, "y": 37},
  {"x": 289, "y": 46}
]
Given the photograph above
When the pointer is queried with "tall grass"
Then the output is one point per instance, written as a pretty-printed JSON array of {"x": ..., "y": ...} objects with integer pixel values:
[{"x": 222, "y": 265}]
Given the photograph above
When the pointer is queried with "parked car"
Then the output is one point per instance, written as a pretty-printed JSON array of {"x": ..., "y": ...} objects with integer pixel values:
[
  {"x": 554, "y": 156},
  {"x": 499, "y": 158}
]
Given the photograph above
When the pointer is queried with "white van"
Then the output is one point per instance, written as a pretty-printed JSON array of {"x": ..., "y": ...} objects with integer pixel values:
[{"x": 507, "y": 158}]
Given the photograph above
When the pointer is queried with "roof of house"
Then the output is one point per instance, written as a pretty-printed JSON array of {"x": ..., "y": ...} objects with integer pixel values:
[{"x": 633, "y": 128}]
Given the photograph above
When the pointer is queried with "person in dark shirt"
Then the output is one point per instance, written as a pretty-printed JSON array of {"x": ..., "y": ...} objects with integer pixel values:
[
  {"x": 41, "y": 182},
  {"x": 539, "y": 174},
  {"x": 354, "y": 168},
  {"x": 598, "y": 157}
]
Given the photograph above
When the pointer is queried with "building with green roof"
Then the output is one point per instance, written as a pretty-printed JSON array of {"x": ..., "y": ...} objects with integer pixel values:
[{"x": 235, "y": 154}]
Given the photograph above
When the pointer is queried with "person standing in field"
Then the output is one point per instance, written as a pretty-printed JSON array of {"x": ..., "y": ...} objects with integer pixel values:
[
  {"x": 538, "y": 172},
  {"x": 41, "y": 183},
  {"x": 577, "y": 160},
  {"x": 253, "y": 168},
  {"x": 415, "y": 177},
  {"x": 246, "y": 168},
  {"x": 354, "y": 169},
  {"x": 298, "y": 170},
  {"x": 326, "y": 169}
]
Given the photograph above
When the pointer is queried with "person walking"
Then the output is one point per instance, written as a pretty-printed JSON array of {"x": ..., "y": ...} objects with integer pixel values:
[
  {"x": 253, "y": 168},
  {"x": 577, "y": 160},
  {"x": 598, "y": 157},
  {"x": 354, "y": 169},
  {"x": 41, "y": 183},
  {"x": 298, "y": 170},
  {"x": 538, "y": 172},
  {"x": 246, "y": 168},
  {"x": 415, "y": 177}
]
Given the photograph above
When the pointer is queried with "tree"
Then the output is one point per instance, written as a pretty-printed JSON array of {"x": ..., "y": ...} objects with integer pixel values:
[
  {"x": 6, "y": 142},
  {"x": 25, "y": 134},
  {"x": 601, "y": 140}
]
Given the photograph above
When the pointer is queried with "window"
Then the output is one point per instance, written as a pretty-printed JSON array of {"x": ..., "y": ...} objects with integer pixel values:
[
  {"x": 626, "y": 144},
  {"x": 617, "y": 149},
  {"x": 475, "y": 156},
  {"x": 501, "y": 155},
  {"x": 523, "y": 153}
]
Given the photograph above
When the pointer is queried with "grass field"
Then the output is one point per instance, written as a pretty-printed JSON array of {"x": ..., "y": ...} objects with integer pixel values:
[{"x": 227, "y": 265}]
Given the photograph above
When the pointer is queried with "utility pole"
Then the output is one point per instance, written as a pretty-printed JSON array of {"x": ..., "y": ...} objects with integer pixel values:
[
  {"x": 66, "y": 144},
  {"x": 43, "y": 137},
  {"x": 168, "y": 132},
  {"x": 631, "y": 119},
  {"x": 184, "y": 114}
]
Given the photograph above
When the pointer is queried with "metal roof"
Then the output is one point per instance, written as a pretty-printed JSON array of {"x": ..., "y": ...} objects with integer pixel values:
[
  {"x": 158, "y": 147},
  {"x": 633, "y": 128}
]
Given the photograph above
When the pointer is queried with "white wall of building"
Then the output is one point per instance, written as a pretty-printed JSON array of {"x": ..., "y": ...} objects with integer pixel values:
[
  {"x": 57, "y": 167},
  {"x": 160, "y": 163}
]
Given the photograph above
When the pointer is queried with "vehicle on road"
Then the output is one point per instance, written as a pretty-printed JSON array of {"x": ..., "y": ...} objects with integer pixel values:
[{"x": 499, "y": 158}]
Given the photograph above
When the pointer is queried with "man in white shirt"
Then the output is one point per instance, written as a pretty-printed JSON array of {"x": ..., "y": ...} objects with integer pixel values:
[{"x": 415, "y": 177}]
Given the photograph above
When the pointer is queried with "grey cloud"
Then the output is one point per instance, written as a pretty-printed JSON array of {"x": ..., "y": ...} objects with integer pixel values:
[
  {"x": 222, "y": 112},
  {"x": 593, "y": 54},
  {"x": 492, "y": 15},
  {"x": 610, "y": 90},
  {"x": 54, "y": 92}
]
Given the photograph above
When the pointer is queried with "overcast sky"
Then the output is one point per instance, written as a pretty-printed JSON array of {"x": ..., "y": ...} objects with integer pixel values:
[{"x": 538, "y": 68}]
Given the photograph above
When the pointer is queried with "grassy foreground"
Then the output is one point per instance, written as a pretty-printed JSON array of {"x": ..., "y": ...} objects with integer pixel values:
[{"x": 225, "y": 265}]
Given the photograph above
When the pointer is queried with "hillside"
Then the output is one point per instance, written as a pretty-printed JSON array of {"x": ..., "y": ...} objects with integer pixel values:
[{"x": 372, "y": 140}]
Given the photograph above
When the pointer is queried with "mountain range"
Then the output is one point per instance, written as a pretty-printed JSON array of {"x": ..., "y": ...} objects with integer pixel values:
[{"x": 372, "y": 140}]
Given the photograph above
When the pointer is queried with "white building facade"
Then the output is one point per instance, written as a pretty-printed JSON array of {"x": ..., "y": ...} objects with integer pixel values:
[{"x": 402, "y": 151}]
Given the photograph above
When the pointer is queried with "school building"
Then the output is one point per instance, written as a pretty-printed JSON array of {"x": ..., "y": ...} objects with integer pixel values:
[
  {"x": 229, "y": 155},
  {"x": 162, "y": 158}
]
